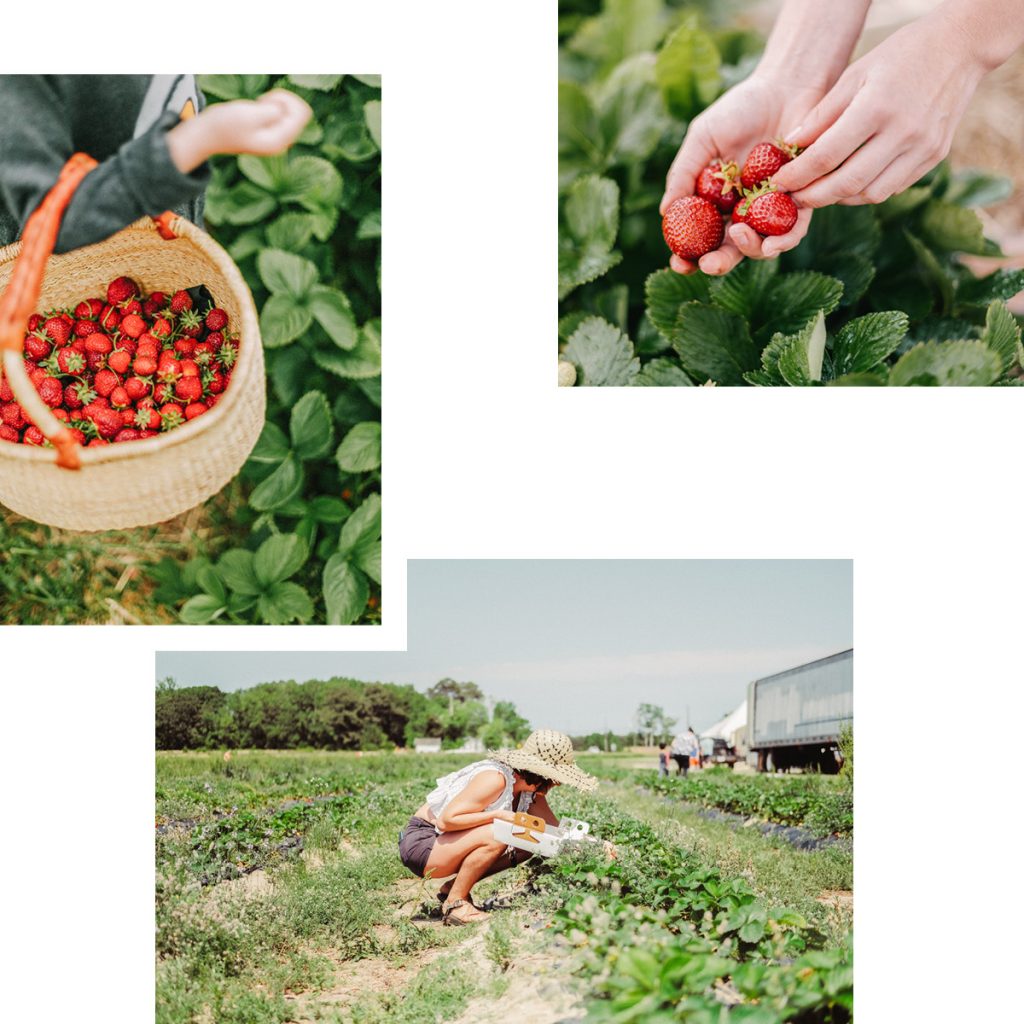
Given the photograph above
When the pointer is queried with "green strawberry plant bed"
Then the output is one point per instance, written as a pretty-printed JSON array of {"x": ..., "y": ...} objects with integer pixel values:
[
  {"x": 873, "y": 296},
  {"x": 304, "y": 228}
]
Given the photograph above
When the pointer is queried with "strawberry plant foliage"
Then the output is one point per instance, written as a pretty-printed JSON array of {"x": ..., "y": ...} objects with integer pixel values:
[
  {"x": 882, "y": 291},
  {"x": 304, "y": 228}
]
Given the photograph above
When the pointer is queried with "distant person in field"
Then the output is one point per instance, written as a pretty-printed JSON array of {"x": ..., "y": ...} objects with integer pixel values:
[
  {"x": 662, "y": 760},
  {"x": 451, "y": 833},
  {"x": 685, "y": 746}
]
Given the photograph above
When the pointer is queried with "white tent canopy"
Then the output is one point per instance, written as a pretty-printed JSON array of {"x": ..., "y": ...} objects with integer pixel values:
[{"x": 726, "y": 728}]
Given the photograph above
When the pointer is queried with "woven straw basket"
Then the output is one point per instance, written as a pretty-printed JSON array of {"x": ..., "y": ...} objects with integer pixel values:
[{"x": 130, "y": 483}]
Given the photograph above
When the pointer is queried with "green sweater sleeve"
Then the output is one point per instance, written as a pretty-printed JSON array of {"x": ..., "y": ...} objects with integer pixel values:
[{"x": 137, "y": 180}]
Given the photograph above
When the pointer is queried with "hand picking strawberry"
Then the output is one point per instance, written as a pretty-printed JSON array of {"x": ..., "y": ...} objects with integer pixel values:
[{"x": 118, "y": 379}]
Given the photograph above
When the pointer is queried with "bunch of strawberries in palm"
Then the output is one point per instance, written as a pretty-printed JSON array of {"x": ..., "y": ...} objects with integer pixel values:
[
  {"x": 694, "y": 225},
  {"x": 125, "y": 367}
]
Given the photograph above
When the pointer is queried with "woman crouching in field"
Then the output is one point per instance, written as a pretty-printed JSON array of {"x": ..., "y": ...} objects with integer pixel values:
[{"x": 451, "y": 834}]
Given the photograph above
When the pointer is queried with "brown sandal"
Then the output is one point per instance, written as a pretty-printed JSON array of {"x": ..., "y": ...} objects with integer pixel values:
[{"x": 446, "y": 913}]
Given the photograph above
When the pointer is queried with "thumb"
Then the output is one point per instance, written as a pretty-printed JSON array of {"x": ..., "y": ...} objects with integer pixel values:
[
  {"x": 815, "y": 123},
  {"x": 696, "y": 152}
]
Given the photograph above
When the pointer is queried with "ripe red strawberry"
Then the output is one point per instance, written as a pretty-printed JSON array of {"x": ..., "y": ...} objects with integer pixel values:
[
  {"x": 51, "y": 391},
  {"x": 161, "y": 327},
  {"x": 132, "y": 308},
  {"x": 190, "y": 323},
  {"x": 764, "y": 160},
  {"x": 119, "y": 398},
  {"x": 35, "y": 321},
  {"x": 148, "y": 346},
  {"x": 185, "y": 346},
  {"x": 127, "y": 434},
  {"x": 137, "y": 388},
  {"x": 70, "y": 361},
  {"x": 83, "y": 328},
  {"x": 214, "y": 338},
  {"x": 171, "y": 416},
  {"x": 99, "y": 343},
  {"x": 771, "y": 213},
  {"x": 133, "y": 325},
  {"x": 119, "y": 360},
  {"x": 215, "y": 381},
  {"x": 108, "y": 422},
  {"x": 6, "y": 394},
  {"x": 90, "y": 309},
  {"x": 144, "y": 366},
  {"x": 105, "y": 382},
  {"x": 216, "y": 319},
  {"x": 147, "y": 419},
  {"x": 9, "y": 434},
  {"x": 36, "y": 347},
  {"x": 692, "y": 226},
  {"x": 97, "y": 442},
  {"x": 168, "y": 368},
  {"x": 78, "y": 394},
  {"x": 155, "y": 302},
  {"x": 180, "y": 301},
  {"x": 189, "y": 368},
  {"x": 59, "y": 328},
  {"x": 36, "y": 374},
  {"x": 719, "y": 184},
  {"x": 227, "y": 354},
  {"x": 121, "y": 289},
  {"x": 110, "y": 318},
  {"x": 33, "y": 435},
  {"x": 127, "y": 416},
  {"x": 189, "y": 389},
  {"x": 95, "y": 360},
  {"x": 12, "y": 414},
  {"x": 194, "y": 409},
  {"x": 61, "y": 414},
  {"x": 77, "y": 434}
]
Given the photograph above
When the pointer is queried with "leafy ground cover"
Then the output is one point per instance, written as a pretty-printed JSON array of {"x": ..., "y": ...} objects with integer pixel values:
[
  {"x": 298, "y": 537},
  {"x": 872, "y": 296},
  {"x": 691, "y": 922},
  {"x": 822, "y": 804}
]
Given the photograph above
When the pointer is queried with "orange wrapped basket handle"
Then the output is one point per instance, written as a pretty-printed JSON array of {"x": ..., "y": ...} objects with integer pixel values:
[{"x": 22, "y": 293}]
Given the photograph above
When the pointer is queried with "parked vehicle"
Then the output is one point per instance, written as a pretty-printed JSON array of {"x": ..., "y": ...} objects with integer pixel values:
[
  {"x": 715, "y": 750},
  {"x": 794, "y": 717}
]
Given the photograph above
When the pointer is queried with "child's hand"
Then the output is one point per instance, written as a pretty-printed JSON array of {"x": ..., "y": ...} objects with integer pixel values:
[{"x": 263, "y": 127}]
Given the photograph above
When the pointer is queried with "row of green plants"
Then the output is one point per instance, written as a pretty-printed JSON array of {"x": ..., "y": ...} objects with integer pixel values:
[
  {"x": 822, "y": 804},
  {"x": 661, "y": 936},
  {"x": 304, "y": 229},
  {"x": 872, "y": 296}
]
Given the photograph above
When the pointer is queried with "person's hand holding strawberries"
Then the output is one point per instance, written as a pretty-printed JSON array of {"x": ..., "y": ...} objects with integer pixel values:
[{"x": 263, "y": 127}]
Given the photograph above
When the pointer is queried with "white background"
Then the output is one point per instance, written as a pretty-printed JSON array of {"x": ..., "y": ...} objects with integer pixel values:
[{"x": 485, "y": 457}]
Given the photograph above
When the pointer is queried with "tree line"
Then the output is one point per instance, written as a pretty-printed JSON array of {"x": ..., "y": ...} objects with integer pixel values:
[{"x": 337, "y": 713}]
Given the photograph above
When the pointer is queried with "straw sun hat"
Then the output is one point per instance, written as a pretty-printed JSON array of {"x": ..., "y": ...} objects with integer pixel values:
[{"x": 548, "y": 753}]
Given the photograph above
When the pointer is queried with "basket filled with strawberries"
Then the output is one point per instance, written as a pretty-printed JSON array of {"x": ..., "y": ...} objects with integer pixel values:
[{"x": 133, "y": 385}]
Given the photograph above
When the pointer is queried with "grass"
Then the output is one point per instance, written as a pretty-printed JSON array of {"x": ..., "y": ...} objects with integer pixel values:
[
  {"x": 328, "y": 936},
  {"x": 59, "y": 577}
]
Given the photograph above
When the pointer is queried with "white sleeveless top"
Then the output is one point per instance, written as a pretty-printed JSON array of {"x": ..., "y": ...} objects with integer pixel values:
[{"x": 451, "y": 785}]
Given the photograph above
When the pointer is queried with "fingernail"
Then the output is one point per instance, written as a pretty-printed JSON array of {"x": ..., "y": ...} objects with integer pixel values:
[{"x": 790, "y": 137}]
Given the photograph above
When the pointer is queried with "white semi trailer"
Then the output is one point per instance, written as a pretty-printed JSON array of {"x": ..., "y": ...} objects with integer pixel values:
[{"x": 794, "y": 717}]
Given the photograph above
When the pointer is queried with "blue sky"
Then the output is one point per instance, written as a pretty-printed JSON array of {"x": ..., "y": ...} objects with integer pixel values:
[{"x": 577, "y": 645}]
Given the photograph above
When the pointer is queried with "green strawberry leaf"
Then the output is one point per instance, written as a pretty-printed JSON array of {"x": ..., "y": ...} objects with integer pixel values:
[
  {"x": 271, "y": 446},
  {"x": 312, "y": 182},
  {"x": 947, "y": 364},
  {"x": 368, "y": 559},
  {"x": 867, "y": 341},
  {"x": 345, "y": 591},
  {"x": 980, "y": 291},
  {"x": 325, "y": 508},
  {"x": 579, "y": 135},
  {"x": 282, "y": 320},
  {"x": 687, "y": 71},
  {"x": 331, "y": 309},
  {"x": 371, "y": 111},
  {"x": 361, "y": 530},
  {"x": 322, "y": 83},
  {"x": 661, "y": 373},
  {"x": 972, "y": 187},
  {"x": 950, "y": 227},
  {"x": 312, "y": 428},
  {"x": 362, "y": 362},
  {"x": 284, "y": 603},
  {"x": 591, "y": 223},
  {"x": 1002, "y": 334},
  {"x": 665, "y": 291},
  {"x": 285, "y": 273},
  {"x": 280, "y": 487},
  {"x": 201, "y": 609},
  {"x": 210, "y": 583},
  {"x": 932, "y": 272},
  {"x": 290, "y": 231},
  {"x": 792, "y": 299},
  {"x": 742, "y": 290},
  {"x": 602, "y": 354},
  {"x": 360, "y": 449},
  {"x": 713, "y": 344},
  {"x": 279, "y": 557},
  {"x": 235, "y": 568}
]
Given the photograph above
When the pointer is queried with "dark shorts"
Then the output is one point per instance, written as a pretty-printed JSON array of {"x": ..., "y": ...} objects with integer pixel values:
[{"x": 415, "y": 842}]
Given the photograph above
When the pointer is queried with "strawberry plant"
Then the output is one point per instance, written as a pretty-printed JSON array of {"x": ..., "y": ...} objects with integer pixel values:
[
  {"x": 304, "y": 228},
  {"x": 872, "y": 296}
]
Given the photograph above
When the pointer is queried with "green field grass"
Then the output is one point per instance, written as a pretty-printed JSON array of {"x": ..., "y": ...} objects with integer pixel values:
[{"x": 280, "y": 898}]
